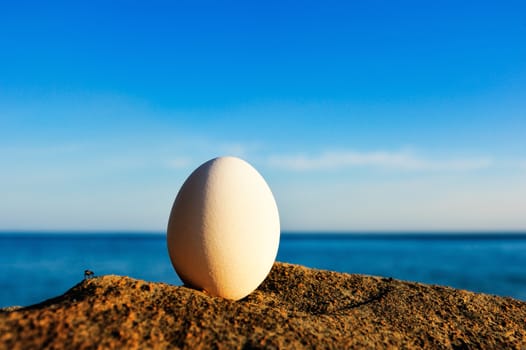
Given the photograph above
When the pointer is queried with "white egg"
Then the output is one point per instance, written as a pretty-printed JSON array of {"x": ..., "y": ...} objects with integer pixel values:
[{"x": 223, "y": 231}]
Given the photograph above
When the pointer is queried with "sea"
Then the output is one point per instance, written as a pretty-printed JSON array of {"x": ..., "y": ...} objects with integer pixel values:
[{"x": 35, "y": 266}]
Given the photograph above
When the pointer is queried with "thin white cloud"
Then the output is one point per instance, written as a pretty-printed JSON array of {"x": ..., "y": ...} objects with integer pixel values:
[
  {"x": 39, "y": 150},
  {"x": 245, "y": 150},
  {"x": 383, "y": 159},
  {"x": 178, "y": 162},
  {"x": 234, "y": 149},
  {"x": 206, "y": 150}
]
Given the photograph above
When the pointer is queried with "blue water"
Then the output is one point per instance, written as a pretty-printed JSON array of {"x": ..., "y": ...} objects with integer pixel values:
[{"x": 37, "y": 266}]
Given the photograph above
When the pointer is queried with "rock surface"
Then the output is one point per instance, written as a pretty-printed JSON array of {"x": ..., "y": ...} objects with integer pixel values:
[{"x": 296, "y": 307}]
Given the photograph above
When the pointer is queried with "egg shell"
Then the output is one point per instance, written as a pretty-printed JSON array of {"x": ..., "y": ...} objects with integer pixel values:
[{"x": 223, "y": 231}]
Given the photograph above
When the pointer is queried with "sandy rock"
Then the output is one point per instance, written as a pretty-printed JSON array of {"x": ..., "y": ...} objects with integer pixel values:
[{"x": 296, "y": 307}]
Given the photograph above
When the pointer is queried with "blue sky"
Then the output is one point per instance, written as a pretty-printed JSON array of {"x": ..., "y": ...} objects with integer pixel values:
[{"x": 361, "y": 115}]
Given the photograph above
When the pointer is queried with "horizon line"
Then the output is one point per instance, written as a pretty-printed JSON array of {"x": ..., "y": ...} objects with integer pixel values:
[{"x": 287, "y": 232}]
